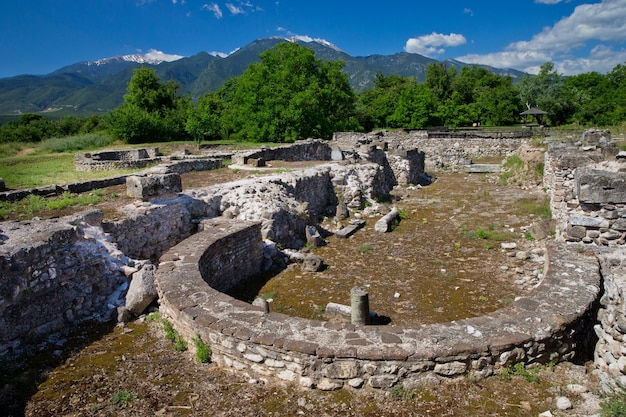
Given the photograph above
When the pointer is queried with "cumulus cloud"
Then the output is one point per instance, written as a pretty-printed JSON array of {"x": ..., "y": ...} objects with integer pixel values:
[
  {"x": 590, "y": 25},
  {"x": 434, "y": 43},
  {"x": 215, "y": 8},
  {"x": 551, "y": 1}
]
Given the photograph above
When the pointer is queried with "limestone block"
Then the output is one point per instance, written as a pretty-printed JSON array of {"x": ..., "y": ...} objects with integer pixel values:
[
  {"x": 142, "y": 290},
  {"x": 619, "y": 225},
  {"x": 313, "y": 237},
  {"x": 385, "y": 224},
  {"x": 154, "y": 185},
  {"x": 341, "y": 370},
  {"x": 586, "y": 221},
  {"x": 312, "y": 263},
  {"x": 600, "y": 187}
]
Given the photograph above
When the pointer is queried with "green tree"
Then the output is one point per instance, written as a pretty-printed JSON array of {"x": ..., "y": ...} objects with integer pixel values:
[
  {"x": 151, "y": 111},
  {"x": 397, "y": 102},
  {"x": 440, "y": 79},
  {"x": 548, "y": 92},
  {"x": 203, "y": 120},
  {"x": 287, "y": 96}
]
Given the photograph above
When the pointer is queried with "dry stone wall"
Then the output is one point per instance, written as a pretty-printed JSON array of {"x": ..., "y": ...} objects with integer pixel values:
[
  {"x": 585, "y": 180},
  {"x": 56, "y": 274},
  {"x": 447, "y": 152}
]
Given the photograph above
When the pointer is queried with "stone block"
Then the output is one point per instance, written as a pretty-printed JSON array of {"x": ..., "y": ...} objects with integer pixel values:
[
  {"x": 576, "y": 232},
  {"x": 600, "y": 187},
  {"x": 586, "y": 221},
  {"x": 151, "y": 186},
  {"x": 142, "y": 290}
]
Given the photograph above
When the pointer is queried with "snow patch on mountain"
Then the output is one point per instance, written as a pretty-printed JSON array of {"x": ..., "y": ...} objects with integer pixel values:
[
  {"x": 308, "y": 39},
  {"x": 153, "y": 57}
]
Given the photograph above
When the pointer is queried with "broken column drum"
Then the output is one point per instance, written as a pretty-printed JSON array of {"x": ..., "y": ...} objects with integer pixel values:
[{"x": 359, "y": 301}]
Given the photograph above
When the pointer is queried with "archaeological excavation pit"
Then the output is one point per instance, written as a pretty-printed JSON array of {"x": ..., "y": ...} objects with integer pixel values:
[{"x": 444, "y": 261}]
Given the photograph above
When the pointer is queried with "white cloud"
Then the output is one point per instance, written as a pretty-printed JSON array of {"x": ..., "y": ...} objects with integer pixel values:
[
  {"x": 433, "y": 44},
  {"x": 213, "y": 7},
  {"x": 468, "y": 11},
  {"x": 550, "y": 1},
  {"x": 590, "y": 24},
  {"x": 234, "y": 9}
]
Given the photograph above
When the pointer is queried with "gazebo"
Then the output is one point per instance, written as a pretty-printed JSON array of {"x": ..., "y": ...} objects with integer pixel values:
[{"x": 537, "y": 113}]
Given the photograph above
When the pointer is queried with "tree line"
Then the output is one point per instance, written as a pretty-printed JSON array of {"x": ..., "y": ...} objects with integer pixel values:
[{"x": 289, "y": 94}]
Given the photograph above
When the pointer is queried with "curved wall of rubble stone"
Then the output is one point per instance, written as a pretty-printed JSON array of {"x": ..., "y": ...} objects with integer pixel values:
[{"x": 550, "y": 325}]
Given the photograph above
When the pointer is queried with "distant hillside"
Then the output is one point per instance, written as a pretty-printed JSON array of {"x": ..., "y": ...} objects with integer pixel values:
[{"x": 97, "y": 87}]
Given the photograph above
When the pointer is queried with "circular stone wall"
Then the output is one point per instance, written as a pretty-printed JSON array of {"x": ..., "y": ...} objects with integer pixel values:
[{"x": 552, "y": 324}]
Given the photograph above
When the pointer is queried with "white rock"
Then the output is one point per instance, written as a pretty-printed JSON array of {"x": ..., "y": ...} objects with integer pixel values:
[
  {"x": 563, "y": 403},
  {"x": 545, "y": 414}
]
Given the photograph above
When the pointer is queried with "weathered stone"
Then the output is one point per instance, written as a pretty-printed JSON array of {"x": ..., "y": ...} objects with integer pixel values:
[
  {"x": 383, "y": 381},
  {"x": 341, "y": 370},
  {"x": 312, "y": 263},
  {"x": 450, "y": 368},
  {"x": 577, "y": 232},
  {"x": 313, "y": 237},
  {"x": 619, "y": 225},
  {"x": 342, "y": 212},
  {"x": 386, "y": 223},
  {"x": 351, "y": 229},
  {"x": 147, "y": 187},
  {"x": 329, "y": 385},
  {"x": 595, "y": 186},
  {"x": 142, "y": 291},
  {"x": 586, "y": 221},
  {"x": 482, "y": 168}
]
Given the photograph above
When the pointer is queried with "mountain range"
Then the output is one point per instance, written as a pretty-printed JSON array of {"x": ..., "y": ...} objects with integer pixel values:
[{"x": 95, "y": 87}]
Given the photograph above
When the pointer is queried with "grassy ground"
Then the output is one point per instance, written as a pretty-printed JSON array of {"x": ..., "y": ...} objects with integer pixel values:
[{"x": 28, "y": 165}]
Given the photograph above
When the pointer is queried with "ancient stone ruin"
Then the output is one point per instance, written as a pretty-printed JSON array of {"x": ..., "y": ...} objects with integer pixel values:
[{"x": 189, "y": 248}]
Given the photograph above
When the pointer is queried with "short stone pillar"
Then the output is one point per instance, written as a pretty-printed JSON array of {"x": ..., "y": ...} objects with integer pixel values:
[{"x": 360, "y": 306}]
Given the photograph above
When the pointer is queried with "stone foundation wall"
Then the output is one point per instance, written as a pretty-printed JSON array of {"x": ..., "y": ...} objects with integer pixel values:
[
  {"x": 440, "y": 152},
  {"x": 326, "y": 355},
  {"x": 592, "y": 221},
  {"x": 306, "y": 150},
  {"x": 117, "y": 159},
  {"x": 56, "y": 274}
]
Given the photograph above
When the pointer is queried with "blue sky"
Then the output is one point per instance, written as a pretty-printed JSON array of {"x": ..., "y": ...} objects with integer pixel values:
[{"x": 40, "y": 36}]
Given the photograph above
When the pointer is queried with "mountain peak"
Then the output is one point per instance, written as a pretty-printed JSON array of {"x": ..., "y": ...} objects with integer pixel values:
[{"x": 153, "y": 57}]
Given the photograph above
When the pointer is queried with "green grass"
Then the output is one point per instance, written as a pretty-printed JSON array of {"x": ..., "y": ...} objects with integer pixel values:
[
  {"x": 535, "y": 206},
  {"x": 172, "y": 335},
  {"x": 203, "y": 351},
  {"x": 614, "y": 405},
  {"x": 33, "y": 204},
  {"x": 29, "y": 165},
  {"x": 365, "y": 248},
  {"x": 123, "y": 399},
  {"x": 76, "y": 143}
]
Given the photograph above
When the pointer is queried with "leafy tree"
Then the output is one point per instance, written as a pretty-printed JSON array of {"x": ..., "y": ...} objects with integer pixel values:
[
  {"x": 203, "y": 120},
  {"x": 151, "y": 110},
  {"x": 547, "y": 91},
  {"x": 440, "y": 79},
  {"x": 287, "y": 96}
]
